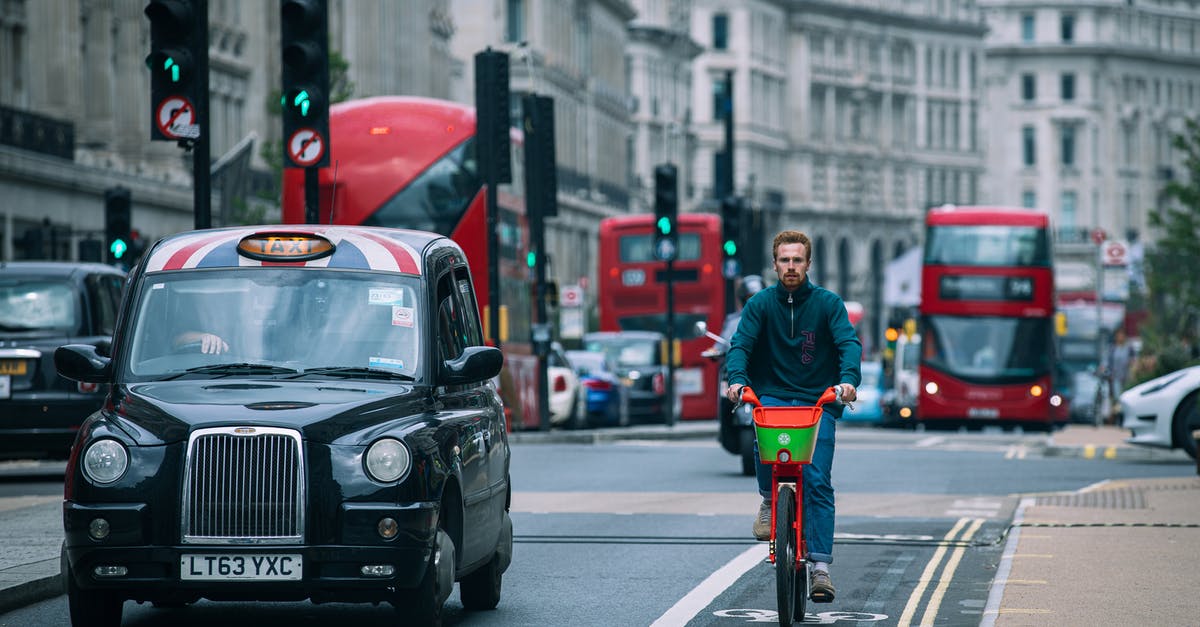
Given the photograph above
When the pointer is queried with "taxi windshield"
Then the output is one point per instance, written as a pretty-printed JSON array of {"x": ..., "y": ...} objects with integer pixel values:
[{"x": 274, "y": 322}]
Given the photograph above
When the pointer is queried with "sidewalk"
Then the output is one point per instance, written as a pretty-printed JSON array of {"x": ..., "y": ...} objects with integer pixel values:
[{"x": 1125, "y": 552}]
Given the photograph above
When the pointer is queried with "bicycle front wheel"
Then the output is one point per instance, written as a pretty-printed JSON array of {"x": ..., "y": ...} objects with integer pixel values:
[{"x": 785, "y": 554}]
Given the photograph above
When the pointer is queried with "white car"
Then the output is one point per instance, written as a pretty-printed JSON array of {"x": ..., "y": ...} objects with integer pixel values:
[
  {"x": 564, "y": 389},
  {"x": 1163, "y": 412}
]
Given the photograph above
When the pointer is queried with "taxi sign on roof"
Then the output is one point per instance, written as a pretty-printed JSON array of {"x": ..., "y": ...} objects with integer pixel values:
[
  {"x": 285, "y": 246},
  {"x": 291, "y": 245}
]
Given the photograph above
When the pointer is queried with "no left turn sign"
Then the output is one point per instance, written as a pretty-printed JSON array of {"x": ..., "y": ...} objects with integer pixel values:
[{"x": 306, "y": 147}]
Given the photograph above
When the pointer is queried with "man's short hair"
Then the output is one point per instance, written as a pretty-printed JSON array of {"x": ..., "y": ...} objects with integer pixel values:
[{"x": 792, "y": 237}]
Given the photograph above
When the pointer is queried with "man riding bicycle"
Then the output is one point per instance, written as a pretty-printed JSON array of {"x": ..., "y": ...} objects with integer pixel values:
[{"x": 794, "y": 341}]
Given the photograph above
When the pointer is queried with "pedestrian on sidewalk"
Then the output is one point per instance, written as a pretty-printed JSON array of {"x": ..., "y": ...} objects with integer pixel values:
[{"x": 1116, "y": 368}]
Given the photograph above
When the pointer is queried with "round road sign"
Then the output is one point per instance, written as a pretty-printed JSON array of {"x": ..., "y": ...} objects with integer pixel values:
[
  {"x": 176, "y": 118},
  {"x": 306, "y": 147},
  {"x": 1114, "y": 253}
]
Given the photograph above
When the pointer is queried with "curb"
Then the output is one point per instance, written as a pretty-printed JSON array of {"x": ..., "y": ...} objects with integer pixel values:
[
  {"x": 1114, "y": 452},
  {"x": 30, "y": 592},
  {"x": 598, "y": 436}
]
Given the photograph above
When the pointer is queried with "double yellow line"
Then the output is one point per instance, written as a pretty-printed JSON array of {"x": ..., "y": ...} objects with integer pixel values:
[{"x": 960, "y": 534}]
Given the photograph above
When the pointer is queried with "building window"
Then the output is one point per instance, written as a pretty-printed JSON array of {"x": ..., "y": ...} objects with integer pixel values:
[
  {"x": 1028, "y": 146},
  {"x": 1067, "y": 28},
  {"x": 720, "y": 31},
  {"x": 1028, "y": 87},
  {"x": 1067, "y": 216},
  {"x": 1029, "y": 199},
  {"x": 720, "y": 93},
  {"x": 1068, "y": 87},
  {"x": 1068, "y": 146},
  {"x": 1027, "y": 27},
  {"x": 515, "y": 31}
]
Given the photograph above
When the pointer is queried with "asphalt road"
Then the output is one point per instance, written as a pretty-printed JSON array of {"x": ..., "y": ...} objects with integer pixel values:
[{"x": 631, "y": 533}]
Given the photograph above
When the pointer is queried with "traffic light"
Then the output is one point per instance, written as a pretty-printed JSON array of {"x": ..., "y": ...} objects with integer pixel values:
[
  {"x": 541, "y": 167},
  {"x": 666, "y": 199},
  {"x": 492, "y": 122},
  {"x": 305, "y": 48},
  {"x": 731, "y": 226},
  {"x": 178, "y": 36},
  {"x": 117, "y": 222}
]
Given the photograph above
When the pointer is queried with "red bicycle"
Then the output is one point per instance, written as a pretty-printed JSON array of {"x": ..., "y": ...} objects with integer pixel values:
[{"x": 787, "y": 437}]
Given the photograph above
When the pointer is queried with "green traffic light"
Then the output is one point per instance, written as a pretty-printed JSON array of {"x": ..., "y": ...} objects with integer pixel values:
[
  {"x": 303, "y": 102},
  {"x": 664, "y": 226},
  {"x": 118, "y": 248},
  {"x": 171, "y": 66},
  {"x": 730, "y": 247},
  {"x": 531, "y": 259}
]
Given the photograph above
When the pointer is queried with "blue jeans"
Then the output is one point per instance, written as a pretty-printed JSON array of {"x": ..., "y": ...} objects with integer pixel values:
[{"x": 818, "y": 485}]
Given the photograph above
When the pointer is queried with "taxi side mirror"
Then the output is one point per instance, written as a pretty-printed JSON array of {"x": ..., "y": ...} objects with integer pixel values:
[
  {"x": 475, "y": 364},
  {"x": 81, "y": 362}
]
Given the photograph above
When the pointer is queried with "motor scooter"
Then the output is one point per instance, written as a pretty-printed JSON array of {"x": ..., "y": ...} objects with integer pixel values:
[{"x": 735, "y": 423}]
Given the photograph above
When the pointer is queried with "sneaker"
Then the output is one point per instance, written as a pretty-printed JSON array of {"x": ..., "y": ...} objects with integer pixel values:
[
  {"x": 821, "y": 587},
  {"x": 762, "y": 523}
]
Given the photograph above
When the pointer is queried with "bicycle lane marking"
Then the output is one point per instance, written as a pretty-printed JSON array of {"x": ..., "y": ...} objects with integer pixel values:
[
  {"x": 927, "y": 575},
  {"x": 704, "y": 594}
]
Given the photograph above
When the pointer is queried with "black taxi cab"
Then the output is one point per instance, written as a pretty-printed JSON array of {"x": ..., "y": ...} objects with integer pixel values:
[{"x": 296, "y": 412}]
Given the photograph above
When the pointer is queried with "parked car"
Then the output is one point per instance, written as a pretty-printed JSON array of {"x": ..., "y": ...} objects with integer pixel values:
[
  {"x": 564, "y": 389},
  {"x": 604, "y": 399},
  {"x": 1163, "y": 412},
  {"x": 869, "y": 405},
  {"x": 342, "y": 440},
  {"x": 44, "y": 305},
  {"x": 638, "y": 358}
]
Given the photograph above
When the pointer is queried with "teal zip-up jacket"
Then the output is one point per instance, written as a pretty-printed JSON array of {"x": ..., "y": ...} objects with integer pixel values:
[{"x": 794, "y": 345}]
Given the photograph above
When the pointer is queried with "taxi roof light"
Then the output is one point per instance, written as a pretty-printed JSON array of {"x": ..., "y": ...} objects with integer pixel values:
[{"x": 285, "y": 247}]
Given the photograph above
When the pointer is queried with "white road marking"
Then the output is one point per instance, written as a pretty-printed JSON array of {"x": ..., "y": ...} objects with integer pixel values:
[
  {"x": 702, "y": 595},
  {"x": 910, "y": 609},
  {"x": 996, "y": 594}
]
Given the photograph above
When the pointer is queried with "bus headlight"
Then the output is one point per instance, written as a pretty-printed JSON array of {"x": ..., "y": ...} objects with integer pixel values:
[
  {"x": 105, "y": 461},
  {"x": 1055, "y": 400},
  {"x": 931, "y": 388},
  {"x": 387, "y": 460}
]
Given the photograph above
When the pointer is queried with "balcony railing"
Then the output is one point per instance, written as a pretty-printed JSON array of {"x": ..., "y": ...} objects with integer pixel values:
[{"x": 36, "y": 133}]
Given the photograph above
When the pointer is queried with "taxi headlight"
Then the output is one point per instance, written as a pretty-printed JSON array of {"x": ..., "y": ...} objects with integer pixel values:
[
  {"x": 387, "y": 460},
  {"x": 105, "y": 461}
]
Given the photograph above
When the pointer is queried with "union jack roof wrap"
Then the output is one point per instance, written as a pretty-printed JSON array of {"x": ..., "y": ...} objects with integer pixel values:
[{"x": 354, "y": 248}]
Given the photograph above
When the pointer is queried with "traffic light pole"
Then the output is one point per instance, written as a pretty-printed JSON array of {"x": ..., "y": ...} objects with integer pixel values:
[
  {"x": 202, "y": 147},
  {"x": 669, "y": 413},
  {"x": 312, "y": 190}
]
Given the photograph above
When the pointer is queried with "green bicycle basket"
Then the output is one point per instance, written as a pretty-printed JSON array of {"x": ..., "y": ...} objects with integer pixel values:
[{"x": 786, "y": 435}]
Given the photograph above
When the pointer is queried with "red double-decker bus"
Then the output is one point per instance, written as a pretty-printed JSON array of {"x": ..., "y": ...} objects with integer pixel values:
[
  {"x": 633, "y": 295},
  {"x": 987, "y": 318},
  {"x": 410, "y": 163}
]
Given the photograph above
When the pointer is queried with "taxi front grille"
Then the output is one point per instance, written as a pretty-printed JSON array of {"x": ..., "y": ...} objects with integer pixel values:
[{"x": 244, "y": 485}]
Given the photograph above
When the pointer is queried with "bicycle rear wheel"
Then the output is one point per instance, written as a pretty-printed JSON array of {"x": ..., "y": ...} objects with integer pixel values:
[{"x": 785, "y": 555}]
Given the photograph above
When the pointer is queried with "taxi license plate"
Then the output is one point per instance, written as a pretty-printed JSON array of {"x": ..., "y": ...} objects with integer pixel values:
[
  {"x": 5, "y": 386},
  {"x": 241, "y": 566},
  {"x": 15, "y": 367}
]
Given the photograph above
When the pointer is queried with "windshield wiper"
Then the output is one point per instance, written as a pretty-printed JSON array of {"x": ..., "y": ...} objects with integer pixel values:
[
  {"x": 238, "y": 368},
  {"x": 16, "y": 327},
  {"x": 357, "y": 371}
]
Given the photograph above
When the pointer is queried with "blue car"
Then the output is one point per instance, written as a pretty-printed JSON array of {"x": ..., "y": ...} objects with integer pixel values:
[
  {"x": 869, "y": 406},
  {"x": 603, "y": 395}
]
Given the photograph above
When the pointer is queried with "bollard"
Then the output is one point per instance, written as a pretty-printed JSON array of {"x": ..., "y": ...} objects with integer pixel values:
[{"x": 1196, "y": 440}]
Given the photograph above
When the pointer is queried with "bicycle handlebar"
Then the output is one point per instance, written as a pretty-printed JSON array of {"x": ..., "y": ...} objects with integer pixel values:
[{"x": 832, "y": 393}]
